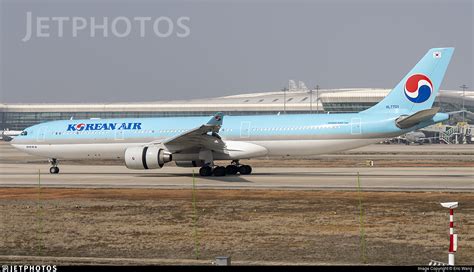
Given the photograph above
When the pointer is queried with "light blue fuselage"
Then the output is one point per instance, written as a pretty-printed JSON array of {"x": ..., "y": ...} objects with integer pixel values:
[{"x": 292, "y": 134}]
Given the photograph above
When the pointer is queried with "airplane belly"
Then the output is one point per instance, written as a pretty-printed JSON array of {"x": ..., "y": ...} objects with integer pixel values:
[
  {"x": 238, "y": 150},
  {"x": 312, "y": 147},
  {"x": 111, "y": 151}
]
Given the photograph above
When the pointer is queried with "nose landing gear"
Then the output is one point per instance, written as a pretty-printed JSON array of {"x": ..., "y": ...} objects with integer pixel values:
[{"x": 54, "y": 168}]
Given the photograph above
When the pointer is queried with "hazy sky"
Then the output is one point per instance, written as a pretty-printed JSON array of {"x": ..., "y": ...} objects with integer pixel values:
[{"x": 233, "y": 47}]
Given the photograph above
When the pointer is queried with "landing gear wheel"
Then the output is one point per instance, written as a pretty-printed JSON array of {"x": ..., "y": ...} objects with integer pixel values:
[
  {"x": 219, "y": 171},
  {"x": 54, "y": 170},
  {"x": 205, "y": 171},
  {"x": 54, "y": 166},
  {"x": 245, "y": 169},
  {"x": 231, "y": 169}
]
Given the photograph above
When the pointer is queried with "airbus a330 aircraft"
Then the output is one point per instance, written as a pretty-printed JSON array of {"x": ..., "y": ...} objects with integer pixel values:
[{"x": 150, "y": 143}]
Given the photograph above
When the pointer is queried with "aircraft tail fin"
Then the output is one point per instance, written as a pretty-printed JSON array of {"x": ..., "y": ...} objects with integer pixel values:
[{"x": 418, "y": 89}]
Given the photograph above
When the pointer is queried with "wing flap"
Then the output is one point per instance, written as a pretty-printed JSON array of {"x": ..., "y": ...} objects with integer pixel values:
[{"x": 198, "y": 137}]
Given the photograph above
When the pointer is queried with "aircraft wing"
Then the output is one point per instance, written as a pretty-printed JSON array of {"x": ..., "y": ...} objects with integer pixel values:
[{"x": 198, "y": 137}]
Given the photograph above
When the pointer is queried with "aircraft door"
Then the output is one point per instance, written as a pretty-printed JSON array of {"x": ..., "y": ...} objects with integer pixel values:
[
  {"x": 356, "y": 126},
  {"x": 40, "y": 137},
  {"x": 245, "y": 129}
]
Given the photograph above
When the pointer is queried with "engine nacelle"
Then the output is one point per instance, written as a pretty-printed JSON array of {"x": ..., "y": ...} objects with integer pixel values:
[
  {"x": 198, "y": 163},
  {"x": 146, "y": 157}
]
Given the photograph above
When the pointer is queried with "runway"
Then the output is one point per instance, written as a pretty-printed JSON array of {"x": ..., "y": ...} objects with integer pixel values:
[
  {"x": 21, "y": 170},
  {"x": 459, "y": 179}
]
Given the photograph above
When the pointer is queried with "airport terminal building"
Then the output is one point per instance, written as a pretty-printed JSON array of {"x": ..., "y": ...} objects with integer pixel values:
[{"x": 20, "y": 116}]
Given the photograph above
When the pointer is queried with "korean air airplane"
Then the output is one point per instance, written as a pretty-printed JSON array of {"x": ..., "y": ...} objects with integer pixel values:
[{"x": 150, "y": 143}]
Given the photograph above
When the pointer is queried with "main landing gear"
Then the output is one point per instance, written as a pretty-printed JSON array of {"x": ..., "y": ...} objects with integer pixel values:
[
  {"x": 54, "y": 168},
  {"x": 234, "y": 168}
]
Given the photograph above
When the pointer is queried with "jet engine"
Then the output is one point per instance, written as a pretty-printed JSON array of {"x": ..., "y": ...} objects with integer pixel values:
[{"x": 146, "y": 157}]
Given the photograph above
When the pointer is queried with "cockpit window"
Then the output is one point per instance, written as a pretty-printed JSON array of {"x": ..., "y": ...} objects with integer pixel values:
[{"x": 24, "y": 133}]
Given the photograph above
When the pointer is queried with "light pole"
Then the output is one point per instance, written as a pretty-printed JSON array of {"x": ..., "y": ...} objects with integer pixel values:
[
  {"x": 317, "y": 98},
  {"x": 463, "y": 87},
  {"x": 284, "y": 99}
]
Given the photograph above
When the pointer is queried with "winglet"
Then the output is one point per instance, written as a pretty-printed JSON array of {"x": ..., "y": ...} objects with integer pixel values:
[{"x": 216, "y": 120}]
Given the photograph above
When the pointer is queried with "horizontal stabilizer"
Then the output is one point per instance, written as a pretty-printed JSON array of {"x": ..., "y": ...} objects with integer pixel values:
[{"x": 415, "y": 119}]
